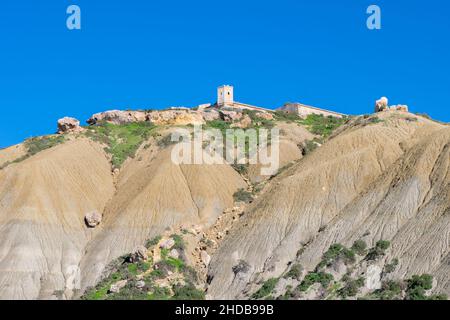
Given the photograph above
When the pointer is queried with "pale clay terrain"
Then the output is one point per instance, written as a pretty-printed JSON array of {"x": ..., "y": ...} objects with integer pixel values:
[{"x": 389, "y": 180}]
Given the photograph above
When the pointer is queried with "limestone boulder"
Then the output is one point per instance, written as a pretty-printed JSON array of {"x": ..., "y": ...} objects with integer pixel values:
[
  {"x": 400, "y": 107},
  {"x": 116, "y": 287},
  {"x": 381, "y": 104},
  {"x": 68, "y": 124},
  {"x": 139, "y": 254},
  {"x": 93, "y": 219},
  {"x": 167, "y": 244}
]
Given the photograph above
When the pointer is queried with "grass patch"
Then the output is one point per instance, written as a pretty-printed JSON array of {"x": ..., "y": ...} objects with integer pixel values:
[
  {"x": 122, "y": 141},
  {"x": 36, "y": 145},
  {"x": 320, "y": 125}
]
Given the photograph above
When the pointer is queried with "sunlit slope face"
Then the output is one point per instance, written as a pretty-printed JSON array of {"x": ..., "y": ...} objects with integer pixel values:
[
  {"x": 43, "y": 201},
  {"x": 155, "y": 195},
  {"x": 309, "y": 198},
  {"x": 45, "y": 197}
]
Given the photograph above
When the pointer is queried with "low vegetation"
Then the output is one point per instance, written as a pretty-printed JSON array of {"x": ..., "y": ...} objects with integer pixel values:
[
  {"x": 122, "y": 141},
  {"x": 351, "y": 287},
  {"x": 36, "y": 145},
  {"x": 243, "y": 196},
  {"x": 378, "y": 251},
  {"x": 320, "y": 125},
  {"x": 315, "y": 277},
  {"x": 151, "y": 274},
  {"x": 337, "y": 252},
  {"x": 266, "y": 289}
]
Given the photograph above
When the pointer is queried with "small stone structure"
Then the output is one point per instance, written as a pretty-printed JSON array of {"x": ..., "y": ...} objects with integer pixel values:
[{"x": 303, "y": 110}]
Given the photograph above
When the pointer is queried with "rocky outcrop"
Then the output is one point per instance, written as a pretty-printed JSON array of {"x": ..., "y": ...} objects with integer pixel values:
[
  {"x": 168, "y": 244},
  {"x": 139, "y": 254},
  {"x": 117, "y": 117},
  {"x": 230, "y": 116},
  {"x": 68, "y": 124},
  {"x": 400, "y": 107},
  {"x": 175, "y": 117},
  {"x": 243, "y": 123},
  {"x": 381, "y": 104},
  {"x": 210, "y": 115}
]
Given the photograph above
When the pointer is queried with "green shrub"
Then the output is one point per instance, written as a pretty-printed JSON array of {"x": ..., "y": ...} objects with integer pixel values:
[
  {"x": 159, "y": 293},
  {"x": 417, "y": 287},
  {"x": 165, "y": 141},
  {"x": 152, "y": 242},
  {"x": 351, "y": 287},
  {"x": 243, "y": 196},
  {"x": 295, "y": 272},
  {"x": 390, "y": 290},
  {"x": 320, "y": 125},
  {"x": 359, "y": 247},
  {"x": 390, "y": 267},
  {"x": 179, "y": 242},
  {"x": 285, "y": 116},
  {"x": 315, "y": 277},
  {"x": 178, "y": 264},
  {"x": 337, "y": 252},
  {"x": 35, "y": 145},
  {"x": 187, "y": 292},
  {"x": 258, "y": 122},
  {"x": 309, "y": 146},
  {"x": 266, "y": 289},
  {"x": 378, "y": 251}
]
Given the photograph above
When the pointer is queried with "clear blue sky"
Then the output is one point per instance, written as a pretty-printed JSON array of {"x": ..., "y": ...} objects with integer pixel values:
[{"x": 154, "y": 54}]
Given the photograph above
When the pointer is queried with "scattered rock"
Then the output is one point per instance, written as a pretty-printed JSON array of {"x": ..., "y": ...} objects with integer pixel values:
[
  {"x": 139, "y": 254},
  {"x": 93, "y": 219},
  {"x": 169, "y": 243},
  {"x": 210, "y": 115},
  {"x": 68, "y": 124},
  {"x": 206, "y": 258},
  {"x": 115, "y": 288},
  {"x": 230, "y": 116},
  {"x": 140, "y": 284}
]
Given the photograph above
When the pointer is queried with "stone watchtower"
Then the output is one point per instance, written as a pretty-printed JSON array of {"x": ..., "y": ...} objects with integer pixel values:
[{"x": 225, "y": 96}]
